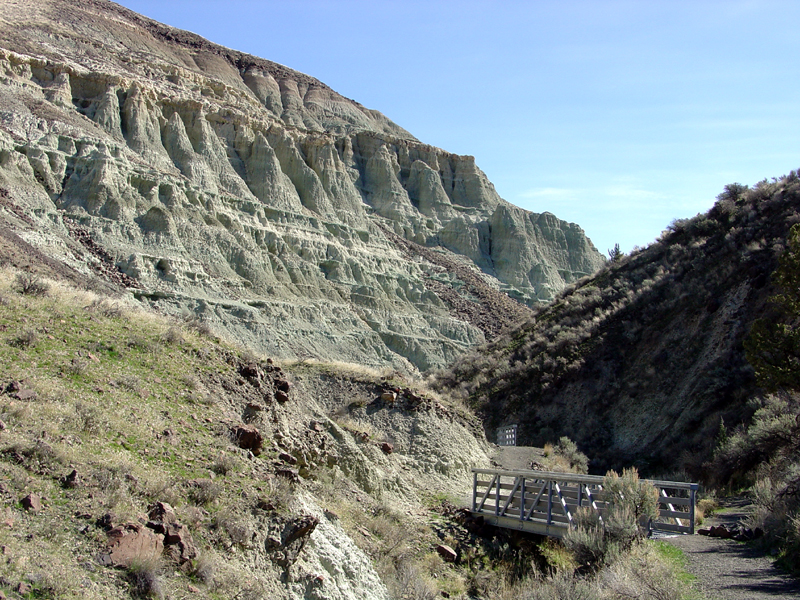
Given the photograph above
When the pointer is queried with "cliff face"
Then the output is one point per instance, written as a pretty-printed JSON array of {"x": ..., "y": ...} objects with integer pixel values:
[{"x": 249, "y": 195}]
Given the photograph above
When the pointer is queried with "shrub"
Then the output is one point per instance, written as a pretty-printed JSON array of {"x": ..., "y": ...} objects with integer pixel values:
[
  {"x": 144, "y": 576},
  {"x": 630, "y": 505},
  {"x": 204, "y": 491},
  {"x": 567, "y": 449},
  {"x": 31, "y": 285},
  {"x": 173, "y": 335},
  {"x": 627, "y": 492},
  {"x": 25, "y": 339}
]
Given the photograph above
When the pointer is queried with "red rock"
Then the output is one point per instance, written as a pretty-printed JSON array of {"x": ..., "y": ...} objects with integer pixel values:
[
  {"x": 130, "y": 542},
  {"x": 447, "y": 553},
  {"x": 281, "y": 397},
  {"x": 163, "y": 512},
  {"x": 282, "y": 385},
  {"x": 192, "y": 589},
  {"x": 248, "y": 437},
  {"x": 179, "y": 542},
  {"x": 387, "y": 448},
  {"x": 32, "y": 502}
]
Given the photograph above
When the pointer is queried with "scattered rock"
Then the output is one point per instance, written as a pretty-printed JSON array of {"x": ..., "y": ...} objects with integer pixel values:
[
  {"x": 387, "y": 448},
  {"x": 106, "y": 521},
  {"x": 282, "y": 385},
  {"x": 281, "y": 397},
  {"x": 286, "y": 538},
  {"x": 2, "y": 425},
  {"x": 389, "y": 397},
  {"x": 23, "y": 589},
  {"x": 447, "y": 553},
  {"x": 287, "y": 458},
  {"x": 290, "y": 474},
  {"x": 72, "y": 480},
  {"x": 32, "y": 502},
  {"x": 314, "y": 426},
  {"x": 163, "y": 513},
  {"x": 330, "y": 515},
  {"x": 248, "y": 437}
]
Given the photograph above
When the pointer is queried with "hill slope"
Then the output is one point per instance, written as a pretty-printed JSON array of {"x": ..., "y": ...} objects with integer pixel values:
[
  {"x": 107, "y": 412},
  {"x": 251, "y": 195},
  {"x": 639, "y": 363}
]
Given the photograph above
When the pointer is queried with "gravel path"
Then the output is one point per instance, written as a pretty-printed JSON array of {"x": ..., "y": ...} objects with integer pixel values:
[{"x": 729, "y": 570}]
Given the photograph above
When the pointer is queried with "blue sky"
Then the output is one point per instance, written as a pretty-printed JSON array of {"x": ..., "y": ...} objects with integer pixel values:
[{"x": 619, "y": 116}]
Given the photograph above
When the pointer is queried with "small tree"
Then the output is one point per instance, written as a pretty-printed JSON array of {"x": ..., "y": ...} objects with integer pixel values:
[{"x": 615, "y": 254}]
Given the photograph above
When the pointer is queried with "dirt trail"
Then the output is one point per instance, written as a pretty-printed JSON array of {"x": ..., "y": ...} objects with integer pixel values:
[{"x": 729, "y": 570}]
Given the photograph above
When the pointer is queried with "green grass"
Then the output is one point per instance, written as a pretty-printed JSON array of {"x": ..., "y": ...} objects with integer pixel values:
[
  {"x": 109, "y": 380},
  {"x": 679, "y": 562}
]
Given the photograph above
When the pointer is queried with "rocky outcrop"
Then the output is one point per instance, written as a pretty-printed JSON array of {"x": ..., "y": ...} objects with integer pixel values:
[{"x": 250, "y": 196}]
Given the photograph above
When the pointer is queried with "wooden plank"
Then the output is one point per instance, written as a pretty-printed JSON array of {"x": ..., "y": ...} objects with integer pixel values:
[
  {"x": 674, "y": 514},
  {"x": 674, "y": 500},
  {"x": 671, "y": 527},
  {"x": 536, "y": 526}
]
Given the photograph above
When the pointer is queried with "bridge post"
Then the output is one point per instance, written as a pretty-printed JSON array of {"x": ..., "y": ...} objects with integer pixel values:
[
  {"x": 550, "y": 502},
  {"x": 474, "y": 491},
  {"x": 693, "y": 497},
  {"x": 497, "y": 498},
  {"x": 522, "y": 502}
]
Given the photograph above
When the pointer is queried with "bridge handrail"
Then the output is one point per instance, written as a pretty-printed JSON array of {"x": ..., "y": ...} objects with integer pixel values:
[{"x": 578, "y": 478}]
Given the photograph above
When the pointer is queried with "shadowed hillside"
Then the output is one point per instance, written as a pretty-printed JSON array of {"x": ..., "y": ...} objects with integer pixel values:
[{"x": 639, "y": 363}]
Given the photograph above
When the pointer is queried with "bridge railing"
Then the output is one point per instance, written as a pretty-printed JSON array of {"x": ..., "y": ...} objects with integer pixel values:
[{"x": 546, "y": 502}]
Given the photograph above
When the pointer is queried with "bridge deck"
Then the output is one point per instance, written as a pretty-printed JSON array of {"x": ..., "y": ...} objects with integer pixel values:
[{"x": 545, "y": 502}]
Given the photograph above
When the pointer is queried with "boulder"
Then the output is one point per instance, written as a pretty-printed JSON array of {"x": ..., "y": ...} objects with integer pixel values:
[
  {"x": 281, "y": 397},
  {"x": 131, "y": 542},
  {"x": 32, "y": 503},
  {"x": 248, "y": 437},
  {"x": 387, "y": 448},
  {"x": 72, "y": 480},
  {"x": 447, "y": 553}
]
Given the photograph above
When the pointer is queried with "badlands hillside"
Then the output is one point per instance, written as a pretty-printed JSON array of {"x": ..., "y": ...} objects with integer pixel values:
[{"x": 220, "y": 185}]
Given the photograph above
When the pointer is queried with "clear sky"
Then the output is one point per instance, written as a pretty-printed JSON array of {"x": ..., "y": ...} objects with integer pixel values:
[{"x": 617, "y": 115}]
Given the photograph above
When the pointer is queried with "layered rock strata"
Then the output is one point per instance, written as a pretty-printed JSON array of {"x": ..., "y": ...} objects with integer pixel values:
[{"x": 250, "y": 196}]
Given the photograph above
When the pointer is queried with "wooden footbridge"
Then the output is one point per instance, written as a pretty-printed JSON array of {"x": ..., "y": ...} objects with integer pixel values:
[{"x": 545, "y": 503}]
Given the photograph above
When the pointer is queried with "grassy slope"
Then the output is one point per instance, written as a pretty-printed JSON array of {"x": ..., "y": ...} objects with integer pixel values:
[
  {"x": 639, "y": 363},
  {"x": 109, "y": 385}
]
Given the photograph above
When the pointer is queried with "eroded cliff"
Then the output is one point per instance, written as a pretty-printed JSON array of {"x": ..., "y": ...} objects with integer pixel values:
[{"x": 251, "y": 196}]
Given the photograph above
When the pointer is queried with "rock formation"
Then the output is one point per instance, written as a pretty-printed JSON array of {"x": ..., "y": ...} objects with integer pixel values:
[{"x": 251, "y": 196}]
